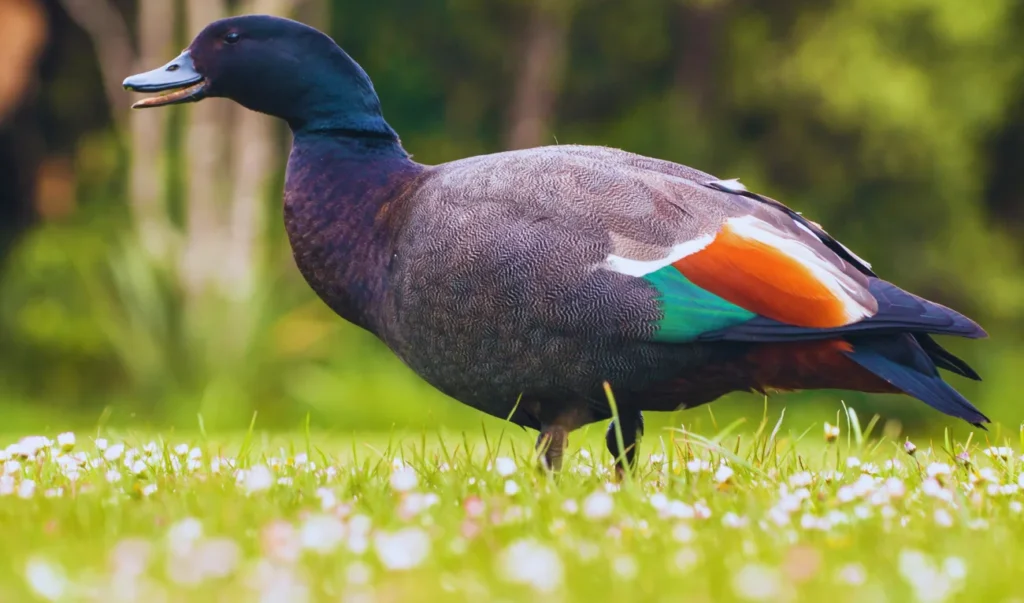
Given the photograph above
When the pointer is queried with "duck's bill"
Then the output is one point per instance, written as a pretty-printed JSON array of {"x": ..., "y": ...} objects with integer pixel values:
[{"x": 178, "y": 81}]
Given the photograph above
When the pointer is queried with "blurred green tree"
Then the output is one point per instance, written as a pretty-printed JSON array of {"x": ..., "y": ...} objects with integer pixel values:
[{"x": 898, "y": 126}]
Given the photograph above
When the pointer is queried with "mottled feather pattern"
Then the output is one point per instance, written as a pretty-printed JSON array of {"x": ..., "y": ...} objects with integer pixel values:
[
  {"x": 497, "y": 282},
  {"x": 502, "y": 283}
]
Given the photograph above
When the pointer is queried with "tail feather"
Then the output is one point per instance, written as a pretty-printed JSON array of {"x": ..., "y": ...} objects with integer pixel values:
[
  {"x": 944, "y": 359},
  {"x": 898, "y": 312},
  {"x": 903, "y": 363}
]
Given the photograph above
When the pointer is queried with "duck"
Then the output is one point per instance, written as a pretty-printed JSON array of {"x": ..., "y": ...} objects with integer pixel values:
[{"x": 530, "y": 284}]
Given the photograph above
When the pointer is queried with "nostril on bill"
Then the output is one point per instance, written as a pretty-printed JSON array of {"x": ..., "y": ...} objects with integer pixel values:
[{"x": 172, "y": 68}]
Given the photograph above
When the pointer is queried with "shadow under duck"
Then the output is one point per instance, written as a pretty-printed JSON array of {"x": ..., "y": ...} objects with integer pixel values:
[{"x": 519, "y": 283}]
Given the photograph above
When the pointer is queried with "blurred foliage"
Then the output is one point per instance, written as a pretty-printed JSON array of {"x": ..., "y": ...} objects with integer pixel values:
[{"x": 889, "y": 123}]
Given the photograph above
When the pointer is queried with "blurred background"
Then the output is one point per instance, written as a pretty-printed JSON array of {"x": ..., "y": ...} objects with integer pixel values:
[{"x": 145, "y": 278}]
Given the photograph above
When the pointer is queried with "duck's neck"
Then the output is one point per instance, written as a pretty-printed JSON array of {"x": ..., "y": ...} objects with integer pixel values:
[{"x": 341, "y": 193}]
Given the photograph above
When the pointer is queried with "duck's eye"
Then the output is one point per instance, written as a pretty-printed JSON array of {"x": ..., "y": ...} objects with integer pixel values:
[{"x": 232, "y": 37}]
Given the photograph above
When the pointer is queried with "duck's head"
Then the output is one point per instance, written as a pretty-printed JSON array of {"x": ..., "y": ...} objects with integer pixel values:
[{"x": 272, "y": 65}]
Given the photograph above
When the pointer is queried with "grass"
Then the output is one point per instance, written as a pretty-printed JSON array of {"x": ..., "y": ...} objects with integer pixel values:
[{"x": 772, "y": 515}]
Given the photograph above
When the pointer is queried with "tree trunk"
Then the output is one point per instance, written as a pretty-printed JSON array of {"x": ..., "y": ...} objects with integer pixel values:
[
  {"x": 23, "y": 31},
  {"x": 148, "y": 193},
  {"x": 205, "y": 147},
  {"x": 112, "y": 43},
  {"x": 701, "y": 44},
  {"x": 540, "y": 77},
  {"x": 254, "y": 162}
]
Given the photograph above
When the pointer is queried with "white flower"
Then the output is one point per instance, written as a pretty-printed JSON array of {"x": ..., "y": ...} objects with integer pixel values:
[
  {"x": 801, "y": 479},
  {"x": 112, "y": 476},
  {"x": 26, "y": 489},
  {"x": 756, "y": 582},
  {"x": 258, "y": 479},
  {"x": 504, "y": 466},
  {"x": 138, "y": 467},
  {"x": 929, "y": 584},
  {"x": 732, "y": 520},
  {"x": 30, "y": 445},
  {"x": 280, "y": 541},
  {"x": 625, "y": 567},
  {"x": 831, "y": 432},
  {"x": 360, "y": 524},
  {"x": 328, "y": 500},
  {"x": 853, "y": 574},
  {"x": 894, "y": 487},
  {"x": 943, "y": 518},
  {"x": 183, "y": 534},
  {"x": 511, "y": 488},
  {"x": 892, "y": 465},
  {"x": 683, "y": 533},
  {"x": 101, "y": 444},
  {"x": 358, "y": 573},
  {"x": 999, "y": 452},
  {"x": 697, "y": 465},
  {"x": 570, "y": 506},
  {"x": 937, "y": 469},
  {"x": 114, "y": 452},
  {"x": 931, "y": 487},
  {"x": 403, "y": 479},
  {"x": 46, "y": 579},
  {"x": 405, "y": 549},
  {"x": 217, "y": 557},
  {"x": 130, "y": 556},
  {"x": 587, "y": 551},
  {"x": 685, "y": 559},
  {"x": 598, "y": 505},
  {"x": 779, "y": 516},
  {"x": 1016, "y": 507},
  {"x": 275, "y": 583},
  {"x": 533, "y": 564},
  {"x": 909, "y": 447},
  {"x": 659, "y": 501},
  {"x": 322, "y": 533},
  {"x": 149, "y": 490},
  {"x": 724, "y": 474},
  {"x": 680, "y": 510},
  {"x": 955, "y": 568},
  {"x": 66, "y": 441}
]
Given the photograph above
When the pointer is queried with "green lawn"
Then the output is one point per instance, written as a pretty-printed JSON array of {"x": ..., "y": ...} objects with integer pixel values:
[{"x": 776, "y": 515}]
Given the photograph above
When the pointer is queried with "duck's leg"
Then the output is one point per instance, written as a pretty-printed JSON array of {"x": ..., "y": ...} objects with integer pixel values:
[
  {"x": 551, "y": 444},
  {"x": 632, "y": 423}
]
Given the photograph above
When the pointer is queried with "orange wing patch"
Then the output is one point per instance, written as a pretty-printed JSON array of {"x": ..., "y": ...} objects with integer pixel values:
[{"x": 764, "y": 271}]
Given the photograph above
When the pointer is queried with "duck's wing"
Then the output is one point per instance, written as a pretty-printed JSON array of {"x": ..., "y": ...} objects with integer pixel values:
[
  {"x": 755, "y": 271},
  {"x": 746, "y": 267}
]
